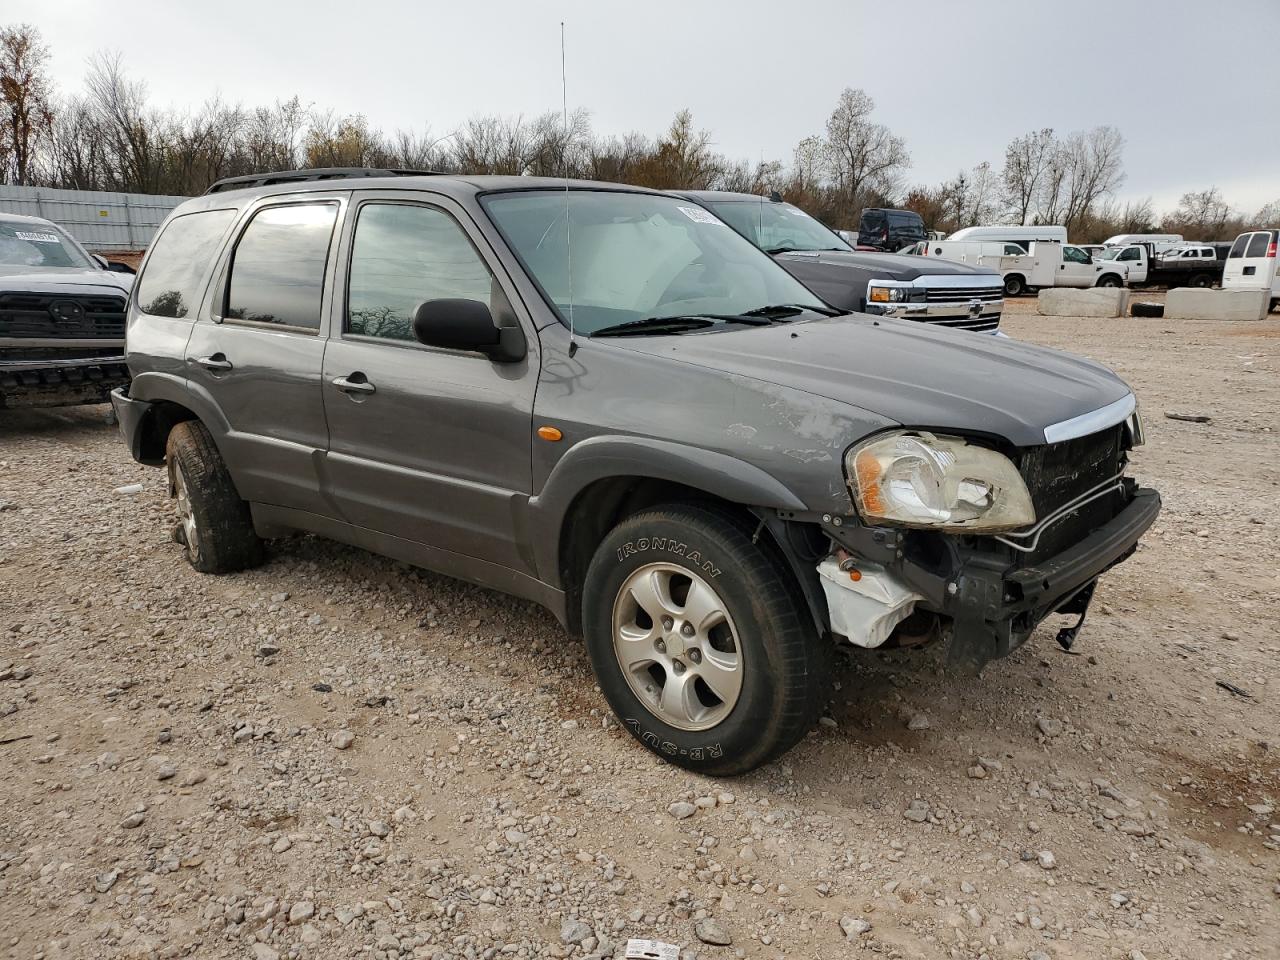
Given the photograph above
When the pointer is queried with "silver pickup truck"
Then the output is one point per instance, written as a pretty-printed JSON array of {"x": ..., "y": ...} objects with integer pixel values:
[{"x": 61, "y": 318}]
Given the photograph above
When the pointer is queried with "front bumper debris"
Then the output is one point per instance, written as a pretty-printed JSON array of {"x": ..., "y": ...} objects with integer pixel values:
[{"x": 993, "y": 602}]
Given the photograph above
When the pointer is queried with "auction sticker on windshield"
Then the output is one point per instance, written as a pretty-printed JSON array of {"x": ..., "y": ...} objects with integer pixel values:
[
  {"x": 698, "y": 215},
  {"x": 37, "y": 237}
]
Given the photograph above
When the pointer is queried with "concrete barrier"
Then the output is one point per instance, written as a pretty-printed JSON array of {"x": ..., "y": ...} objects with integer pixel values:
[
  {"x": 1091, "y": 302},
  {"x": 1188, "y": 303}
]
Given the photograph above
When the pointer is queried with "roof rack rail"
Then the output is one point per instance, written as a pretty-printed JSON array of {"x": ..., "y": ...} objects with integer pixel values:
[{"x": 314, "y": 173}]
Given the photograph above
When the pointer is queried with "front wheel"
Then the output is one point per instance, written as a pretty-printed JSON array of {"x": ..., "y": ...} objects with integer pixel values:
[
  {"x": 700, "y": 641},
  {"x": 1111, "y": 281},
  {"x": 1202, "y": 280}
]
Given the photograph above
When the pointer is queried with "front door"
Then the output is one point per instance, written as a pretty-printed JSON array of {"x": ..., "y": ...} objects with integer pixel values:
[
  {"x": 426, "y": 444},
  {"x": 1133, "y": 258},
  {"x": 1077, "y": 270},
  {"x": 258, "y": 356}
]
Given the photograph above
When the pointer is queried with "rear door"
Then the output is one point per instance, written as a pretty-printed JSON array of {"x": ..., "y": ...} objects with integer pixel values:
[
  {"x": 257, "y": 355},
  {"x": 1251, "y": 264},
  {"x": 426, "y": 444}
]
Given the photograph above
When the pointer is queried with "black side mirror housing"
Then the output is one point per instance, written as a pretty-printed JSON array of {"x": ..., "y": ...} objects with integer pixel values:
[{"x": 457, "y": 324}]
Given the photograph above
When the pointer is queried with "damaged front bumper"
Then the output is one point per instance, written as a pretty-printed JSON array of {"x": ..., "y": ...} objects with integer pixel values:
[{"x": 994, "y": 602}]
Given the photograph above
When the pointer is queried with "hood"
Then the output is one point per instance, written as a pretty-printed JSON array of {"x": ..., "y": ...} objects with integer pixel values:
[
  {"x": 910, "y": 373},
  {"x": 840, "y": 277},
  {"x": 67, "y": 280},
  {"x": 889, "y": 266}
]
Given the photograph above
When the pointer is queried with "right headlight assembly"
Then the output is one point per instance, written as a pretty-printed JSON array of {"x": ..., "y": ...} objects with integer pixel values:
[{"x": 916, "y": 479}]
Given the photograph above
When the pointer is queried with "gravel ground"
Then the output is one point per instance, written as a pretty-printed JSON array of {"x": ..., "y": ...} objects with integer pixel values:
[{"x": 339, "y": 756}]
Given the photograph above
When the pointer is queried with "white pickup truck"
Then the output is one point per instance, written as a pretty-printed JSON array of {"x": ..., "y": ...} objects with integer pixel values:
[{"x": 1048, "y": 264}]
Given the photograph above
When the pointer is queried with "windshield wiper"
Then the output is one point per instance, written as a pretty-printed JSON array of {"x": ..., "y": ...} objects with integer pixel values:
[
  {"x": 676, "y": 324},
  {"x": 778, "y": 311}
]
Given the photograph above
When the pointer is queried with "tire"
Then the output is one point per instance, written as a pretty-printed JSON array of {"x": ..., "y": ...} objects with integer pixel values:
[
  {"x": 1110, "y": 280},
  {"x": 214, "y": 524},
  {"x": 757, "y": 629},
  {"x": 1014, "y": 285},
  {"x": 1202, "y": 280},
  {"x": 1275, "y": 302}
]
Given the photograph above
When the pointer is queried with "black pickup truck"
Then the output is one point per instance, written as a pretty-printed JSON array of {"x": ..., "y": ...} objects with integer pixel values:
[{"x": 61, "y": 318}]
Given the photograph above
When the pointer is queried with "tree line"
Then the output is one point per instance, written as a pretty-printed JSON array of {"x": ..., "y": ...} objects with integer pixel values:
[{"x": 111, "y": 137}]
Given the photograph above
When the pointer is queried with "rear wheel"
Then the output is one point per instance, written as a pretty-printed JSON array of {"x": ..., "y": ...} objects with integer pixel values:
[
  {"x": 700, "y": 641},
  {"x": 214, "y": 524},
  {"x": 1202, "y": 280},
  {"x": 1014, "y": 285}
]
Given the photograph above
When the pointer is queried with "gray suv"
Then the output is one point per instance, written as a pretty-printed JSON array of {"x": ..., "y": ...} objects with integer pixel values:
[{"x": 603, "y": 399}]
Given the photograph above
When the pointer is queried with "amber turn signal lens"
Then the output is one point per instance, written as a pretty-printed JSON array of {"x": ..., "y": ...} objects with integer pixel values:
[
  {"x": 550, "y": 433},
  {"x": 855, "y": 575}
]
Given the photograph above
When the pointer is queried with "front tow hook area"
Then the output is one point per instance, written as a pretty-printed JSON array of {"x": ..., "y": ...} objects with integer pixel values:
[{"x": 1077, "y": 604}]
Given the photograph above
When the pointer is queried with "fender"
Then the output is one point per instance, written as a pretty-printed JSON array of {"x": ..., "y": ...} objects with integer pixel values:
[
  {"x": 153, "y": 387},
  {"x": 604, "y": 457}
]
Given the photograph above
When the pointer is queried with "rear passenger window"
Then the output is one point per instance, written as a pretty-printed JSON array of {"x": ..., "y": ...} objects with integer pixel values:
[
  {"x": 277, "y": 270},
  {"x": 1237, "y": 248},
  {"x": 169, "y": 286},
  {"x": 403, "y": 255},
  {"x": 1258, "y": 245}
]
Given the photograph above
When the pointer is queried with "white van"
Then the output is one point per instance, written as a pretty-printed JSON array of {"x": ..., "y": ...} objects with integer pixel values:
[
  {"x": 1160, "y": 241},
  {"x": 1251, "y": 264},
  {"x": 1022, "y": 236}
]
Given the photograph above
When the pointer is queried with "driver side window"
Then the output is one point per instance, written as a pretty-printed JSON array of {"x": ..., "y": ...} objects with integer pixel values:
[{"x": 401, "y": 255}]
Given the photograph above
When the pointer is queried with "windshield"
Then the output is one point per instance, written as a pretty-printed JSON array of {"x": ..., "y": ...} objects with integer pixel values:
[
  {"x": 776, "y": 227},
  {"x": 637, "y": 256},
  {"x": 1110, "y": 253},
  {"x": 25, "y": 244}
]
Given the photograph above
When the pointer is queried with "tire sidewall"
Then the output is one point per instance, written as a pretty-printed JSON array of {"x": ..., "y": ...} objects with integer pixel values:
[{"x": 652, "y": 539}]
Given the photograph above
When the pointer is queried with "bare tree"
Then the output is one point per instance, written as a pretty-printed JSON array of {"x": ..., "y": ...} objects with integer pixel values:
[
  {"x": 25, "y": 98},
  {"x": 862, "y": 156},
  {"x": 1268, "y": 216},
  {"x": 1095, "y": 161},
  {"x": 1201, "y": 215},
  {"x": 1026, "y": 160}
]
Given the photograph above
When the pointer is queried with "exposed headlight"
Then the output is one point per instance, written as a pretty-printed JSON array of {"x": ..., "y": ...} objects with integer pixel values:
[
  {"x": 922, "y": 480},
  {"x": 887, "y": 294}
]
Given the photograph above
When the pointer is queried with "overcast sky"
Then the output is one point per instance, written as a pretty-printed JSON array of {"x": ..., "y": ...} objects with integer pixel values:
[{"x": 1194, "y": 86}]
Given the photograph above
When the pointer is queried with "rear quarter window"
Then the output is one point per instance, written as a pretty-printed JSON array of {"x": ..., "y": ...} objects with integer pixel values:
[
  {"x": 1258, "y": 245},
  {"x": 1237, "y": 248},
  {"x": 170, "y": 282}
]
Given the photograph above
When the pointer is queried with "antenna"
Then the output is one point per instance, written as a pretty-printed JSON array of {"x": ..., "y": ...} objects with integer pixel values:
[{"x": 564, "y": 170}]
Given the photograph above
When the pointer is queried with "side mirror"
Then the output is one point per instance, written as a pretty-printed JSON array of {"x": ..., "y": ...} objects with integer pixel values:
[
  {"x": 468, "y": 325},
  {"x": 100, "y": 261},
  {"x": 117, "y": 266}
]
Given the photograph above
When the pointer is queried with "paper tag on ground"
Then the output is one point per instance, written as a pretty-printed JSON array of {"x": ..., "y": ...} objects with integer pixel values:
[
  {"x": 698, "y": 215},
  {"x": 651, "y": 949}
]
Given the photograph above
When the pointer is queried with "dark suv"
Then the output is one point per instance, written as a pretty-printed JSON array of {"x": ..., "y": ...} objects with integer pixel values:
[
  {"x": 603, "y": 399},
  {"x": 61, "y": 318}
]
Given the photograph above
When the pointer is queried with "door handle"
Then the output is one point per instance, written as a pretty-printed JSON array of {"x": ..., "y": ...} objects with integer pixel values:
[
  {"x": 351, "y": 385},
  {"x": 217, "y": 361}
]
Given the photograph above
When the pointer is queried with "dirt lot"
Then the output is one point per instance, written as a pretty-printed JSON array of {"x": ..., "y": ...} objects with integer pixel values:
[{"x": 337, "y": 756}]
